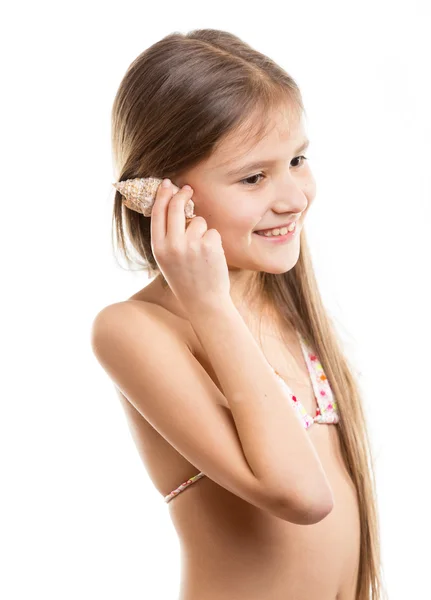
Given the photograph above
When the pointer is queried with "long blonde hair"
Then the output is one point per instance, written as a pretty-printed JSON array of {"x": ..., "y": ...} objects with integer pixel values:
[{"x": 175, "y": 104}]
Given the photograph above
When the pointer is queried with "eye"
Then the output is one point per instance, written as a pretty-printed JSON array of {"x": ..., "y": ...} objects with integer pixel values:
[
  {"x": 304, "y": 158},
  {"x": 243, "y": 181},
  {"x": 252, "y": 177}
]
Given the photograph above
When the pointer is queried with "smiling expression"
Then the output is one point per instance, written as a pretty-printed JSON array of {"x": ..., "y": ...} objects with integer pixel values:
[{"x": 240, "y": 190}]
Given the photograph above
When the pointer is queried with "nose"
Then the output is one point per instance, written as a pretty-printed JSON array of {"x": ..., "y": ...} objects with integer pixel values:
[
  {"x": 294, "y": 205},
  {"x": 290, "y": 197}
]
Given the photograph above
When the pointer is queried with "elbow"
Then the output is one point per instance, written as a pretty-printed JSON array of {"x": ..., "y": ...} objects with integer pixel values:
[
  {"x": 303, "y": 511},
  {"x": 315, "y": 512}
]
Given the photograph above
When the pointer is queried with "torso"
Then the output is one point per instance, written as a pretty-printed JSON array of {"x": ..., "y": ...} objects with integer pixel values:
[{"x": 232, "y": 550}]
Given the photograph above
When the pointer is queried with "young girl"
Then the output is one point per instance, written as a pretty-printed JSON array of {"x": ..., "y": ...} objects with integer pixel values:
[{"x": 240, "y": 399}]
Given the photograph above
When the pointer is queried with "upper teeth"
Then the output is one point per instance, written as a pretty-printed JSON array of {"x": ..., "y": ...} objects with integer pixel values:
[{"x": 281, "y": 231}]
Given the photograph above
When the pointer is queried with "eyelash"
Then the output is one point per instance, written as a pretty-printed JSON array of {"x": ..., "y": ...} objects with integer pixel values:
[{"x": 261, "y": 174}]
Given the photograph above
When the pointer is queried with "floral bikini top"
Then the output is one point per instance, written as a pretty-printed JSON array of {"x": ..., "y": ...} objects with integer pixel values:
[{"x": 326, "y": 411}]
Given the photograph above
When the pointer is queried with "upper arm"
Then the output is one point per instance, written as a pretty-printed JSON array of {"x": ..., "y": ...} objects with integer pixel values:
[{"x": 164, "y": 381}]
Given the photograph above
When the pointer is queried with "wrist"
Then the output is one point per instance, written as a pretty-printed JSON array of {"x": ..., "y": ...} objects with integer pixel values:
[{"x": 205, "y": 313}]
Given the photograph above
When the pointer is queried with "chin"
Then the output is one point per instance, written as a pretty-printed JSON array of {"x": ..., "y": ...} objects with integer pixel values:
[
  {"x": 277, "y": 271},
  {"x": 276, "y": 267},
  {"x": 281, "y": 261}
]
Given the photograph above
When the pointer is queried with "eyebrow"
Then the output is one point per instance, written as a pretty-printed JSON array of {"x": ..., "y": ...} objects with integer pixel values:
[{"x": 264, "y": 163}]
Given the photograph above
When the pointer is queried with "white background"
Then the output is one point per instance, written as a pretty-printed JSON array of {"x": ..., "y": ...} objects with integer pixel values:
[{"x": 79, "y": 515}]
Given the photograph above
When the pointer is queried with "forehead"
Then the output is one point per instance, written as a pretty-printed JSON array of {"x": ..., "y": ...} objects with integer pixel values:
[{"x": 283, "y": 127}]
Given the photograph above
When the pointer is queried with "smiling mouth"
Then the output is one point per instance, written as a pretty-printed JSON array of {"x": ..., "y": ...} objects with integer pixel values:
[
  {"x": 286, "y": 228},
  {"x": 278, "y": 238}
]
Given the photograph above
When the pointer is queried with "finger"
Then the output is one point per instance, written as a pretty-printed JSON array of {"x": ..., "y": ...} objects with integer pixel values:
[
  {"x": 196, "y": 228},
  {"x": 158, "y": 213},
  {"x": 176, "y": 218}
]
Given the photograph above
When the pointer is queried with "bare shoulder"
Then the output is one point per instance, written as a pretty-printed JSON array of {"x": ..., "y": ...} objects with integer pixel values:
[
  {"x": 141, "y": 313},
  {"x": 156, "y": 313}
]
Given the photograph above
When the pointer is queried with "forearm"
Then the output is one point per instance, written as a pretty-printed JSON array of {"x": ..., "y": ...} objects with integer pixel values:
[{"x": 275, "y": 443}]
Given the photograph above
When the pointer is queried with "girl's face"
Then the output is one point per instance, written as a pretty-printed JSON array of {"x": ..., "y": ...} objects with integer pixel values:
[{"x": 268, "y": 186}]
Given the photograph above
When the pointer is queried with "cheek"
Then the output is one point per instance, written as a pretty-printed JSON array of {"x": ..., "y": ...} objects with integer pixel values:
[
  {"x": 247, "y": 214},
  {"x": 242, "y": 225},
  {"x": 237, "y": 223},
  {"x": 232, "y": 215}
]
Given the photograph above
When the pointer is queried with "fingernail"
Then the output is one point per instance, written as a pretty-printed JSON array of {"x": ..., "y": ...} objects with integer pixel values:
[
  {"x": 187, "y": 187},
  {"x": 166, "y": 183}
]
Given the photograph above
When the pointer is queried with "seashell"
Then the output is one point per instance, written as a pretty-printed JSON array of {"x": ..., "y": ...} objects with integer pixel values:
[{"x": 139, "y": 195}]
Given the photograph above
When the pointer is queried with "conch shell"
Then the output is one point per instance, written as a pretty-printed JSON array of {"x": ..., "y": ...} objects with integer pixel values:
[{"x": 139, "y": 195}]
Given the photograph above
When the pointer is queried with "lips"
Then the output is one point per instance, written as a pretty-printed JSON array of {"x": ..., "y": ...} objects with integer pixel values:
[{"x": 275, "y": 227}]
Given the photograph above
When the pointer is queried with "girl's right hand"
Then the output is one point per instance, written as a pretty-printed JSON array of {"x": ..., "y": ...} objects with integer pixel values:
[{"x": 190, "y": 258}]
